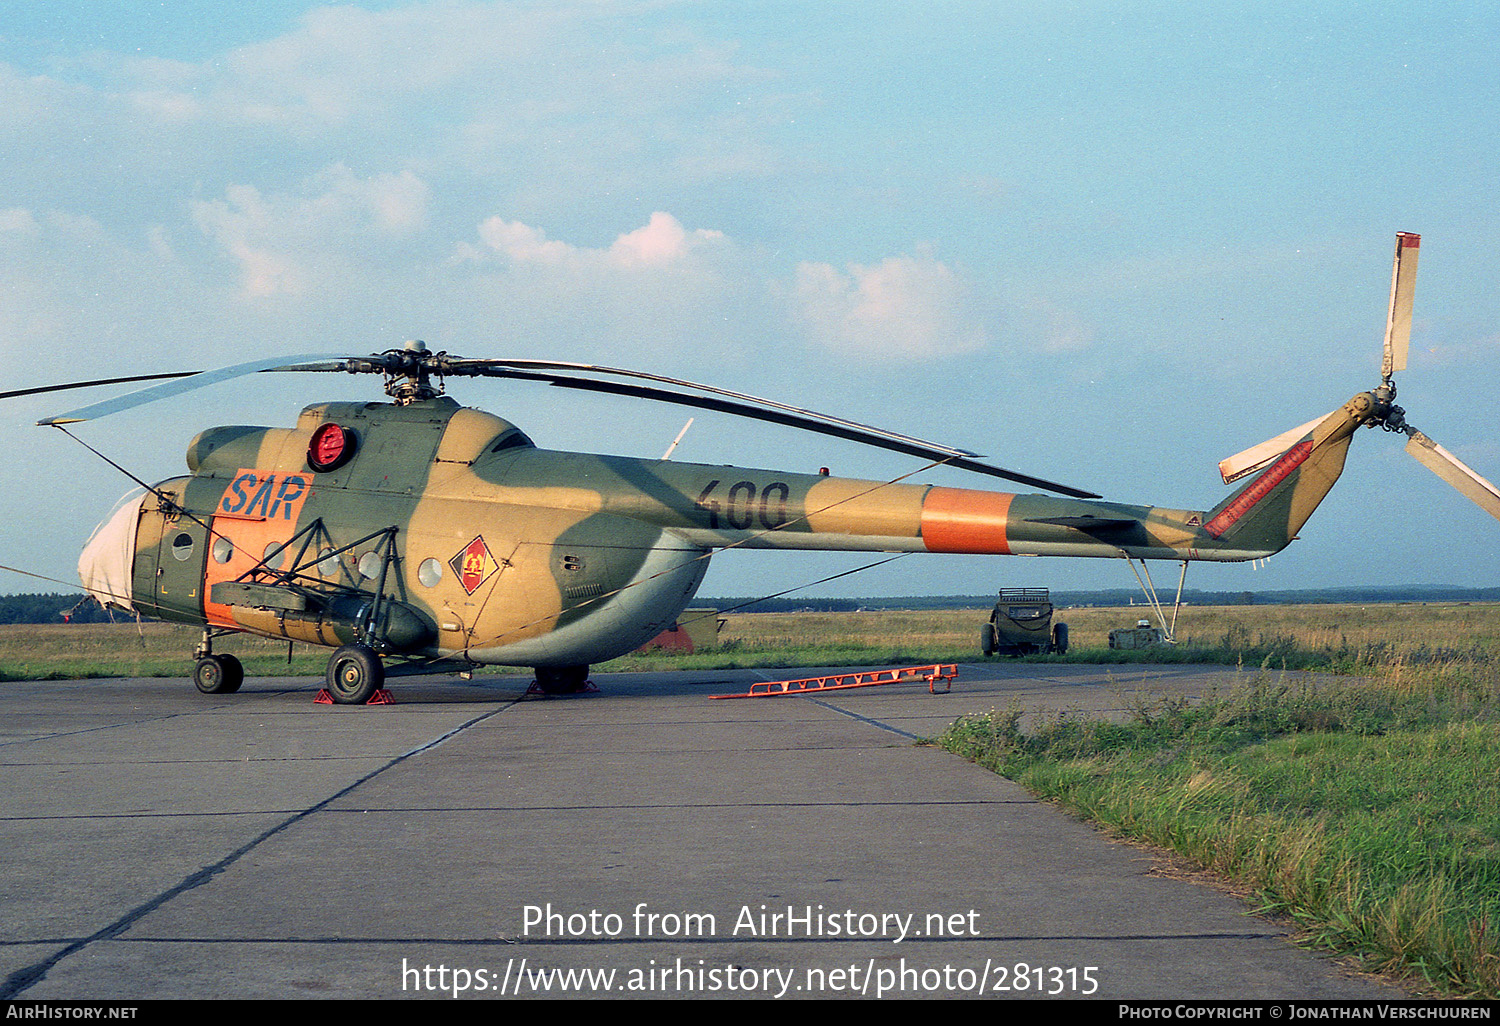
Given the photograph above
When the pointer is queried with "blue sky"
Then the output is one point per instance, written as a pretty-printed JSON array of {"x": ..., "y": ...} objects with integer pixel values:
[{"x": 1103, "y": 243}]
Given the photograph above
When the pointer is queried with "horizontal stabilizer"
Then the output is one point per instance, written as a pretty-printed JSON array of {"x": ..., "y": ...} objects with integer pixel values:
[{"x": 1087, "y": 523}]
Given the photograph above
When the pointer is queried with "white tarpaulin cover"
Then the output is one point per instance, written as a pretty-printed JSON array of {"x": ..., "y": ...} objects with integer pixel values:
[{"x": 105, "y": 567}]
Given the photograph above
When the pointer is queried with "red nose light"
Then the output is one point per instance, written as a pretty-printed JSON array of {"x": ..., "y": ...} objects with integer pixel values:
[{"x": 330, "y": 448}]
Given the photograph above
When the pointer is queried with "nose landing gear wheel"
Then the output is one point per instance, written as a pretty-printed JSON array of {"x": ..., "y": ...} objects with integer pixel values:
[
  {"x": 354, "y": 674},
  {"x": 218, "y": 675}
]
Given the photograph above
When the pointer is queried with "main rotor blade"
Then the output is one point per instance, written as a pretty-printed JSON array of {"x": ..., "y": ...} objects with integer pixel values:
[
  {"x": 417, "y": 361},
  {"x": 778, "y": 414},
  {"x": 1453, "y": 470},
  {"x": 1398, "y": 321},
  {"x": 459, "y": 366},
  {"x": 184, "y": 382},
  {"x": 18, "y": 392}
]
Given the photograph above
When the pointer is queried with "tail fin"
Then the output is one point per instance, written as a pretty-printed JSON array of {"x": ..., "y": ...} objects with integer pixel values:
[{"x": 1266, "y": 514}]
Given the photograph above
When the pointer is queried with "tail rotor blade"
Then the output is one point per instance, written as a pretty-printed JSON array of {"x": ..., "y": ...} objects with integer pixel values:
[
  {"x": 1451, "y": 469},
  {"x": 1398, "y": 322},
  {"x": 1256, "y": 457}
]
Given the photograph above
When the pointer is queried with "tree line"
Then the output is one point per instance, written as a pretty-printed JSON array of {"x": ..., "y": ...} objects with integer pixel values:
[{"x": 58, "y": 607}]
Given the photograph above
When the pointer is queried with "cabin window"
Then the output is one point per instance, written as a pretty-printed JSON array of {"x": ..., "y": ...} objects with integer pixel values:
[
  {"x": 223, "y": 550},
  {"x": 430, "y": 573},
  {"x": 182, "y": 546},
  {"x": 369, "y": 565},
  {"x": 274, "y": 554}
]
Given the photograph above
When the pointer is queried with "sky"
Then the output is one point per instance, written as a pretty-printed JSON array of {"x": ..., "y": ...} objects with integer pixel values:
[{"x": 1102, "y": 243}]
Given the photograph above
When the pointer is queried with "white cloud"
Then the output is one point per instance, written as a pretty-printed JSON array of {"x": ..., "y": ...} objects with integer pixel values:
[
  {"x": 661, "y": 243},
  {"x": 903, "y": 308},
  {"x": 297, "y": 243},
  {"x": 660, "y": 288},
  {"x": 17, "y": 221},
  {"x": 521, "y": 243}
]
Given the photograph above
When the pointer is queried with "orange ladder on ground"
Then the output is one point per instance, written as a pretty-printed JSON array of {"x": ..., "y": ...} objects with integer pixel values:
[{"x": 862, "y": 679}]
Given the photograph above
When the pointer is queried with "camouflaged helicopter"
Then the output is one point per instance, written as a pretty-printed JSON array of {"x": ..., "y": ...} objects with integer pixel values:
[{"x": 419, "y": 536}]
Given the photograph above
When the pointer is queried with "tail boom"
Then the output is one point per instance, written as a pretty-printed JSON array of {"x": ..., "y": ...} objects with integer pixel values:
[{"x": 768, "y": 509}]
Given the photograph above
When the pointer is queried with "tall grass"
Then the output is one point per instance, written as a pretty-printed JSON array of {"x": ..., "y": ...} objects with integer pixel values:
[{"x": 1367, "y": 811}]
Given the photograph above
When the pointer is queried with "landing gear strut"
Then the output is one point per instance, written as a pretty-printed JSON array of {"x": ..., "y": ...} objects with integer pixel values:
[{"x": 216, "y": 675}]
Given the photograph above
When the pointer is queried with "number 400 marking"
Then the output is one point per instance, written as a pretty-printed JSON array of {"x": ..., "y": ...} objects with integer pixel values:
[{"x": 745, "y": 502}]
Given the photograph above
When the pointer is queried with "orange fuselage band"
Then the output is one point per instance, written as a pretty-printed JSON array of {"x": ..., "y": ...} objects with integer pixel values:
[{"x": 960, "y": 520}]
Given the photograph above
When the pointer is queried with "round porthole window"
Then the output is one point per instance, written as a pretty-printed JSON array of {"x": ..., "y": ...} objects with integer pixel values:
[
  {"x": 182, "y": 546},
  {"x": 328, "y": 563},
  {"x": 223, "y": 550},
  {"x": 331, "y": 447},
  {"x": 369, "y": 566},
  {"x": 430, "y": 573},
  {"x": 274, "y": 554}
]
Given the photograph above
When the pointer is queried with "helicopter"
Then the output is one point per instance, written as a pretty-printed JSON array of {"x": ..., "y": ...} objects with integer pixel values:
[{"x": 418, "y": 535}]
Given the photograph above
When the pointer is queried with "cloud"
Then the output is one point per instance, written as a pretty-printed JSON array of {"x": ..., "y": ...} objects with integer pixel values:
[
  {"x": 287, "y": 243},
  {"x": 903, "y": 308},
  {"x": 17, "y": 221},
  {"x": 1061, "y": 330},
  {"x": 1452, "y": 349},
  {"x": 661, "y": 243},
  {"x": 659, "y": 288}
]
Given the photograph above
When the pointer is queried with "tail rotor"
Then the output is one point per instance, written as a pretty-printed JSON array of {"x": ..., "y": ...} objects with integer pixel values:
[{"x": 1392, "y": 417}]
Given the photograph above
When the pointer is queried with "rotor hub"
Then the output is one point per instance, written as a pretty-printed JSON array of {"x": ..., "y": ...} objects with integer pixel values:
[
  {"x": 1386, "y": 413},
  {"x": 408, "y": 373}
]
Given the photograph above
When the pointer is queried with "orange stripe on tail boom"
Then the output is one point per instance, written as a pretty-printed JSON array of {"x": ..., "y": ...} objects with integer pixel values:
[{"x": 960, "y": 520}]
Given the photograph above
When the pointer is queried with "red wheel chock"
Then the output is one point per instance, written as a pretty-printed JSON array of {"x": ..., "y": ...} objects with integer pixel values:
[{"x": 382, "y": 696}]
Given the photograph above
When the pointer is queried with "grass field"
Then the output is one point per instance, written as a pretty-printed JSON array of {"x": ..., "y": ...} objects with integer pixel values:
[
  {"x": 1340, "y": 638},
  {"x": 1367, "y": 809}
]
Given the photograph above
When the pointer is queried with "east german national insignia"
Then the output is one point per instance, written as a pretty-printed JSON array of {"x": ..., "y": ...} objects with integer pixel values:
[{"x": 473, "y": 564}]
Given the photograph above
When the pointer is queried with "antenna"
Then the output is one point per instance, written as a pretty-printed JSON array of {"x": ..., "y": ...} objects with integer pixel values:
[{"x": 668, "y": 454}]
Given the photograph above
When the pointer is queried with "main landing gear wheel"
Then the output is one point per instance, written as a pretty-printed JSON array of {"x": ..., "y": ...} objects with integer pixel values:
[
  {"x": 562, "y": 680},
  {"x": 218, "y": 675},
  {"x": 354, "y": 674}
]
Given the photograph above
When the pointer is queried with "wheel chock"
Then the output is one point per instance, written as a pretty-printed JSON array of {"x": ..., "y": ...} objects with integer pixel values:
[
  {"x": 589, "y": 688},
  {"x": 382, "y": 696}
]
